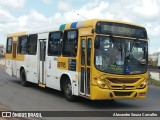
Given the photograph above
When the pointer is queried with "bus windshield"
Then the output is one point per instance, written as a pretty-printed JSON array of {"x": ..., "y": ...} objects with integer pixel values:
[{"x": 121, "y": 55}]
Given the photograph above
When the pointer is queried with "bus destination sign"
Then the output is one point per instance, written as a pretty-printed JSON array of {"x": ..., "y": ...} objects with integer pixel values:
[{"x": 120, "y": 29}]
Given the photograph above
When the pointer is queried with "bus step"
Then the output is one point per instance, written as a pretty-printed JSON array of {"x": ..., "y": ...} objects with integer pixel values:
[{"x": 42, "y": 85}]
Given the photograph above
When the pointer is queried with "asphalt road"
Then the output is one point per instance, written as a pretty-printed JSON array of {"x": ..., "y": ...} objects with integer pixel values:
[{"x": 16, "y": 97}]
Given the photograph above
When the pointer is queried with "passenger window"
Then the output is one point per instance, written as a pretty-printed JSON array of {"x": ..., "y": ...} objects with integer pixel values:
[
  {"x": 22, "y": 45},
  {"x": 89, "y": 45},
  {"x": 70, "y": 43},
  {"x": 55, "y": 44},
  {"x": 32, "y": 44},
  {"x": 9, "y": 45}
]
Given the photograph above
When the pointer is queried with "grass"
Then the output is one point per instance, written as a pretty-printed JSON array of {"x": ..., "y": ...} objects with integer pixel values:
[{"x": 154, "y": 82}]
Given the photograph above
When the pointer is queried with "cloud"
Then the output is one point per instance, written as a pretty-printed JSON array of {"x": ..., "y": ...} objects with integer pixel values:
[
  {"x": 13, "y": 3},
  {"x": 6, "y": 17},
  {"x": 153, "y": 29},
  {"x": 34, "y": 19},
  {"x": 119, "y": 10},
  {"x": 11, "y": 24},
  {"x": 147, "y": 8},
  {"x": 47, "y": 1},
  {"x": 143, "y": 12},
  {"x": 64, "y": 5}
]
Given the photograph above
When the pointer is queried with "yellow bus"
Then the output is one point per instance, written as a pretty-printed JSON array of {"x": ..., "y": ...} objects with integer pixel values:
[{"x": 96, "y": 59}]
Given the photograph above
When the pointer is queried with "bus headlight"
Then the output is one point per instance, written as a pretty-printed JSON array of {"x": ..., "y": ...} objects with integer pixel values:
[
  {"x": 143, "y": 84},
  {"x": 101, "y": 83}
]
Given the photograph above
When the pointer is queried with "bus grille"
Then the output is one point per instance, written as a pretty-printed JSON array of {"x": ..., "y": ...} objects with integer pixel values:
[
  {"x": 121, "y": 87},
  {"x": 122, "y": 93},
  {"x": 123, "y": 80},
  {"x": 122, "y": 83}
]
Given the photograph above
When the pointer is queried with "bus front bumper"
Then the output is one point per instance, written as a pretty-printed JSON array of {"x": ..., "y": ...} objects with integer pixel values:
[{"x": 108, "y": 94}]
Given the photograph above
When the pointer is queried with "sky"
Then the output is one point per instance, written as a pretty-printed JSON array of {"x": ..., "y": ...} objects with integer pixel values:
[{"x": 20, "y": 15}]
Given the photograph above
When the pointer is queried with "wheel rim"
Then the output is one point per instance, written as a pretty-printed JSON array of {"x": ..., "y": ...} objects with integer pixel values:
[{"x": 68, "y": 90}]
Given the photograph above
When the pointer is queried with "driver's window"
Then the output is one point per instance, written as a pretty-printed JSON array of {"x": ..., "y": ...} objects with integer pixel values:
[
  {"x": 103, "y": 53},
  {"x": 106, "y": 44}
]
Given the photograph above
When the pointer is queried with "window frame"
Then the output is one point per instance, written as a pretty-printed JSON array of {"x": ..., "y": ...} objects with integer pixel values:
[
  {"x": 9, "y": 45},
  {"x": 61, "y": 44},
  {"x": 20, "y": 39},
  {"x": 32, "y": 44}
]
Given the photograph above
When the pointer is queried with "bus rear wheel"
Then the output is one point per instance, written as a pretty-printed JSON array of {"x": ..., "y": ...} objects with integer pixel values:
[
  {"x": 68, "y": 91},
  {"x": 24, "y": 82}
]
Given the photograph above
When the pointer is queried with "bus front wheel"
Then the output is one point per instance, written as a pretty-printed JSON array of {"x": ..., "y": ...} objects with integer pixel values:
[
  {"x": 24, "y": 82},
  {"x": 68, "y": 91}
]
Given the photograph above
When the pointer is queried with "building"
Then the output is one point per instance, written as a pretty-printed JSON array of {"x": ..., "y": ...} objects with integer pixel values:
[{"x": 2, "y": 50}]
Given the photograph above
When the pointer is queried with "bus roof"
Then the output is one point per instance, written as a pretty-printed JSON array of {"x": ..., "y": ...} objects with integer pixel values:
[
  {"x": 17, "y": 34},
  {"x": 73, "y": 25}
]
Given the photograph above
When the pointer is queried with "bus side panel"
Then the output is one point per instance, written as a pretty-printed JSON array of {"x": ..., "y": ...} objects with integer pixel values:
[
  {"x": 31, "y": 68},
  {"x": 19, "y": 64},
  {"x": 8, "y": 63},
  {"x": 53, "y": 74},
  {"x": 73, "y": 75}
]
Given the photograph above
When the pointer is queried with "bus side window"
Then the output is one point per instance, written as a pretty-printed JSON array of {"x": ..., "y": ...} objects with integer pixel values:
[
  {"x": 70, "y": 43},
  {"x": 9, "y": 45},
  {"x": 89, "y": 45},
  {"x": 22, "y": 44},
  {"x": 55, "y": 43},
  {"x": 32, "y": 44}
]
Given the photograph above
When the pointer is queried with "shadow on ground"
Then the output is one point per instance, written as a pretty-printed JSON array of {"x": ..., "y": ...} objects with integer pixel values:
[{"x": 96, "y": 105}]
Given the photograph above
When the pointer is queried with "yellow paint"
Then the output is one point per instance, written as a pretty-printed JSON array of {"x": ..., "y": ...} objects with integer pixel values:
[
  {"x": 85, "y": 31},
  {"x": 128, "y": 38},
  {"x": 118, "y": 21},
  {"x": 62, "y": 63},
  {"x": 90, "y": 23},
  {"x": 8, "y": 56},
  {"x": 15, "y": 39},
  {"x": 104, "y": 94},
  {"x": 67, "y": 26},
  {"x": 16, "y": 34},
  {"x": 78, "y": 60},
  {"x": 42, "y": 85},
  {"x": 20, "y": 57},
  {"x": 99, "y": 93}
]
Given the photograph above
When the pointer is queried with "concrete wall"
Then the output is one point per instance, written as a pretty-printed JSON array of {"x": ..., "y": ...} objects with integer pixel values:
[{"x": 154, "y": 75}]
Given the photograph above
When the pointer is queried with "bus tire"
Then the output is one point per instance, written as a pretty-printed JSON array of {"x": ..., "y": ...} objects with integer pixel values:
[
  {"x": 68, "y": 91},
  {"x": 24, "y": 82}
]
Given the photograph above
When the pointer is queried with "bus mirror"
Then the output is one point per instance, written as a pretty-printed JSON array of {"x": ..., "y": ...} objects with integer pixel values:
[
  {"x": 96, "y": 43},
  {"x": 61, "y": 40}
]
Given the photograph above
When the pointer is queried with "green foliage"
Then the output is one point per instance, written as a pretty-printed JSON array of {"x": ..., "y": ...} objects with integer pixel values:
[
  {"x": 153, "y": 63},
  {"x": 154, "y": 82}
]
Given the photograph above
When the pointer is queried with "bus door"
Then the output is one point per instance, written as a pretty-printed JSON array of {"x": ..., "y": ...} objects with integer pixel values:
[
  {"x": 42, "y": 43},
  {"x": 14, "y": 59},
  {"x": 86, "y": 43}
]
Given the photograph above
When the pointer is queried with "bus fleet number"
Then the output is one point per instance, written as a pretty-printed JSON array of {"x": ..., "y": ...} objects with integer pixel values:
[{"x": 61, "y": 64}]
